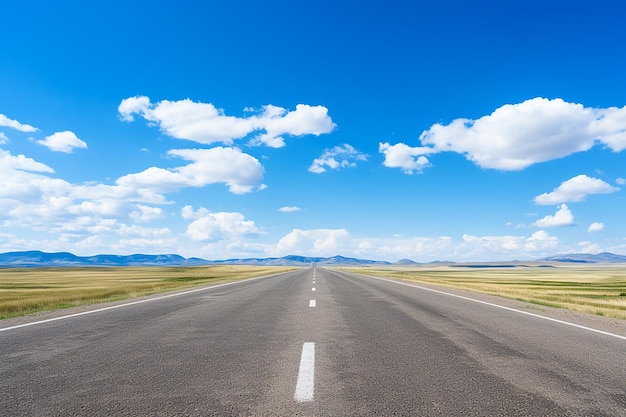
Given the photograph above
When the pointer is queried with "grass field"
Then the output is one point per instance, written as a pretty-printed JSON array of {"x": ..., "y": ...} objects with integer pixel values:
[
  {"x": 28, "y": 290},
  {"x": 596, "y": 289}
]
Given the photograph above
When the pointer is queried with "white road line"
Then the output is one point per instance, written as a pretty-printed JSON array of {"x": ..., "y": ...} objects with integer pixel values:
[
  {"x": 306, "y": 375},
  {"x": 313, "y": 289},
  {"x": 149, "y": 300},
  {"x": 567, "y": 323},
  {"x": 312, "y": 303}
]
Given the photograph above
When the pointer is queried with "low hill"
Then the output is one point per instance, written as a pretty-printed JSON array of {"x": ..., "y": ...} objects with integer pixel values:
[
  {"x": 38, "y": 258},
  {"x": 604, "y": 257},
  {"x": 64, "y": 259},
  {"x": 295, "y": 260}
]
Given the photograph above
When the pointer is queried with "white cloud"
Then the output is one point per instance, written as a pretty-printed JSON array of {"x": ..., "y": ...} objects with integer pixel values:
[
  {"x": 133, "y": 105},
  {"x": 595, "y": 227},
  {"x": 563, "y": 217},
  {"x": 146, "y": 232},
  {"x": 574, "y": 190},
  {"x": 62, "y": 142},
  {"x": 204, "y": 123},
  {"x": 305, "y": 120},
  {"x": 289, "y": 209},
  {"x": 144, "y": 245},
  {"x": 90, "y": 217},
  {"x": 538, "y": 244},
  {"x": 241, "y": 172},
  {"x": 609, "y": 126},
  {"x": 396, "y": 248},
  {"x": 188, "y": 212},
  {"x": 3, "y": 138},
  {"x": 405, "y": 157},
  {"x": 14, "y": 124},
  {"x": 218, "y": 226},
  {"x": 493, "y": 243},
  {"x": 620, "y": 181},
  {"x": 146, "y": 213},
  {"x": 317, "y": 242},
  {"x": 588, "y": 247},
  {"x": 540, "y": 241},
  {"x": 31, "y": 199},
  {"x": 9, "y": 163},
  {"x": 344, "y": 156},
  {"x": 330, "y": 242},
  {"x": 516, "y": 136}
]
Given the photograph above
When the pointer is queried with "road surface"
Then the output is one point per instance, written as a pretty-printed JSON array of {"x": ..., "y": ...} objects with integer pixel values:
[{"x": 313, "y": 342}]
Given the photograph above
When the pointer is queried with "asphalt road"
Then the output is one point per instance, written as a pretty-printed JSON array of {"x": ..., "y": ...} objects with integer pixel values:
[{"x": 262, "y": 347}]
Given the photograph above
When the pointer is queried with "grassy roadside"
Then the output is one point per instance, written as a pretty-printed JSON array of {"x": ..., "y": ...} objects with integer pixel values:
[
  {"x": 28, "y": 290},
  {"x": 595, "y": 289}
]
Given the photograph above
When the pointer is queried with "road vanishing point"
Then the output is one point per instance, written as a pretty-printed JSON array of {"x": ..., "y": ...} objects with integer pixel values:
[{"x": 313, "y": 342}]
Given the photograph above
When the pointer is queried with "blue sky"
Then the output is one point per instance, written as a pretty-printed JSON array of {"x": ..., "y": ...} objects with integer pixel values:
[{"x": 466, "y": 131}]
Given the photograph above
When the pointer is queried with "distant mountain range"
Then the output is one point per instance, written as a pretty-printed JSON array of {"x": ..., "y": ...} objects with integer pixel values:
[
  {"x": 64, "y": 259},
  {"x": 38, "y": 258},
  {"x": 294, "y": 260},
  {"x": 604, "y": 257}
]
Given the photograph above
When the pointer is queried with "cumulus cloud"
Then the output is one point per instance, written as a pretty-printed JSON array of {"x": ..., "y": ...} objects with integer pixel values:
[
  {"x": 211, "y": 227},
  {"x": 344, "y": 156},
  {"x": 516, "y": 136},
  {"x": 241, "y": 172},
  {"x": 146, "y": 232},
  {"x": 10, "y": 163},
  {"x": 304, "y": 120},
  {"x": 289, "y": 209},
  {"x": 95, "y": 217},
  {"x": 65, "y": 142},
  {"x": 563, "y": 217},
  {"x": 318, "y": 242},
  {"x": 620, "y": 181},
  {"x": 595, "y": 227},
  {"x": 31, "y": 198},
  {"x": 204, "y": 123},
  {"x": 133, "y": 105},
  {"x": 330, "y": 242},
  {"x": 574, "y": 190},
  {"x": 484, "y": 247},
  {"x": 397, "y": 247},
  {"x": 3, "y": 138},
  {"x": 146, "y": 213},
  {"x": 408, "y": 159},
  {"x": 540, "y": 241},
  {"x": 14, "y": 124}
]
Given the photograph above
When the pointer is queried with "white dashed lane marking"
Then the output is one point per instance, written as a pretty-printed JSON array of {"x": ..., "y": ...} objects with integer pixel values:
[
  {"x": 312, "y": 303},
  {"x": 306, "y": 375}
]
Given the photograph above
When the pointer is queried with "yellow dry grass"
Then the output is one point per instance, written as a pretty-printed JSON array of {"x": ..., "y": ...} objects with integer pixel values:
[
  {"x": 595, "y": 289},
  {"x": 28, "y": 290}
]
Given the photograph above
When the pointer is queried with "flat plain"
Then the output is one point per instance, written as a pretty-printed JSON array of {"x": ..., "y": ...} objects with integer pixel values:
[
  {"x": 28, "y": 290},
  {"x": 591, "y": 288},
  {"x": 598, "y": 289}
]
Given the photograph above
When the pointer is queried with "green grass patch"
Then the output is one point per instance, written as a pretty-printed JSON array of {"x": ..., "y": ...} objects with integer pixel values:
[
  {"x": 190, "y": 279},
  {"x": 29, "y": 290}
]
